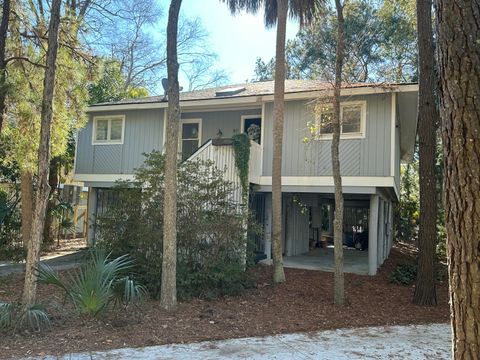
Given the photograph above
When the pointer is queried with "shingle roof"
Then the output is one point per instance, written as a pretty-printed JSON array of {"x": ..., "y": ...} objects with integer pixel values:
[{"x": 251, "y": 89}]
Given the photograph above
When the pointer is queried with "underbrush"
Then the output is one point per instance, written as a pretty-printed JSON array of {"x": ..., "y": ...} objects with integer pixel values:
[
  {"x": 101, "y": 285},
  {"x": 406, "y": 273},
  {"x": 212, "y": 250}
]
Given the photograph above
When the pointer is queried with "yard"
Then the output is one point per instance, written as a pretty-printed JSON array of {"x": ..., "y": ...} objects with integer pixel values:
[{"x": 304, "y": 303}]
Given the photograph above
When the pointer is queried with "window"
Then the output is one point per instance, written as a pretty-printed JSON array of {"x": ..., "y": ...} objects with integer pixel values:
[
  {"x": 252, "y": 126},
  {"x": 108, "y": 129},
  {"x": 190, "y": 135},
  {"x": 352, "y": 121}
]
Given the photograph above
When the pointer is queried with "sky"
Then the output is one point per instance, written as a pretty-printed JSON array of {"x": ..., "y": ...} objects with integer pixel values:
[{"x": 238, "y": 40}]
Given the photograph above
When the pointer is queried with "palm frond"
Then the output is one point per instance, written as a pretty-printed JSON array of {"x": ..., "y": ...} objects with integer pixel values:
[
  {"x": 34, "y": 318},
  {"x": 126, "y": 291},
  {"x": 6, "y": 315},
  {"x": 302, "y": 10},
  {"x": 97, "y": 284},
  {"x": 46, "y": 275}
]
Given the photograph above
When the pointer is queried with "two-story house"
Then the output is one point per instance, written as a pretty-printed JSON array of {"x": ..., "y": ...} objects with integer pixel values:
[{"x": 378, "y": 132}]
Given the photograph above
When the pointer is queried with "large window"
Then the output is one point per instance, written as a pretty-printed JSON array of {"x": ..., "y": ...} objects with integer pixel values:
[
  {"x": 352, "y": 121},
  {"x": 190, "y": 135},
  {"x": 108, "y": 129}
]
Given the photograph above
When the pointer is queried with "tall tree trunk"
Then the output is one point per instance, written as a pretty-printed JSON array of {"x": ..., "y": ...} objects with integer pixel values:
[
  {"x": 427, "y": 130},
  {"x": 168, "y": 294},
  {"x": 26, "y": 192},
  {"x": 459, "y": 68},
  {"x": 43, "y": 188},
  {"x": 339, "y": 291},
  {"x": 278, "y": 105},
  {"x": 3, "y": 63}
]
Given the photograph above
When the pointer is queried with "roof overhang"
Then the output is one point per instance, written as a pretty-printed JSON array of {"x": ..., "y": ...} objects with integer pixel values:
[{"x": 256, "y": 99}]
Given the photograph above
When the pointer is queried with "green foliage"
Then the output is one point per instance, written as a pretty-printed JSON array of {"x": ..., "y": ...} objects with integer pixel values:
[
  {"x": 241, "y": 148},
  {"x": 100, "y": 283},
  {"x": 404, "y": 274},
  {"x": 111, "y": 86},
  {"x": 407, "y": 210},
  {"x": 380, "y": 37},
  {"x": 11, "y": 247},
  {"x": 442, "y": 248},
  {"x": 225, "y": 276},
  {"x": 34, "y": 318},
  {"x": 14, "y": 317},
  {"x": 6, "y": 315},
  {"x": 211, "y": 232},
  {"x": 25, "y": 79}
]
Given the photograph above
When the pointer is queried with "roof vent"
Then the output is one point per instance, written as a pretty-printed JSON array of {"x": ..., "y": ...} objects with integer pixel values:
[{"x": 229, "y": 91}]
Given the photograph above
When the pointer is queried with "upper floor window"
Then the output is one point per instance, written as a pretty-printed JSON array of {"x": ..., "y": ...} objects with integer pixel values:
[
  {"x": 108, "y": 129},
  {"x": 352, "y": 121},
  {"x": 190, "y": 137},
  {"x": 252, "y": 126}
]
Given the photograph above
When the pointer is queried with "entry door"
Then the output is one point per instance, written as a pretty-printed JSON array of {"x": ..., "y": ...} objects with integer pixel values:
[{"x": 190, "y": 137}]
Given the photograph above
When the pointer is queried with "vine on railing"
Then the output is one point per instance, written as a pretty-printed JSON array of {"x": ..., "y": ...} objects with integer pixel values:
[{"x": 241, "y": 148}]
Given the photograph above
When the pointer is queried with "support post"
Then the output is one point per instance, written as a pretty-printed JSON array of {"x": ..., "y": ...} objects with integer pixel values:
[
  {"x": 268, "y": 226},
  {"x": 91, "y": 215},
  {"x": 380, "y": 231},
  {"x": 373, "y": 235}
]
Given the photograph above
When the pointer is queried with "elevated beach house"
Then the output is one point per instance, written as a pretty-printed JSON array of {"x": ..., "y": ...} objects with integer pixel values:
[{"x": 378, "y": 132}]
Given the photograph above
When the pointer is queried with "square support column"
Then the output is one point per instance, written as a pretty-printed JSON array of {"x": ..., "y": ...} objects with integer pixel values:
[
  {"x": 91, "y": 215},
  {"x": 373, "y": 235},
  {"x": 267, "y": 230},
  {"x": 381, "y": 232}
]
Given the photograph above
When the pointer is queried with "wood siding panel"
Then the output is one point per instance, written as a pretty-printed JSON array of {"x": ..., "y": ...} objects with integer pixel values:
[
  {"x": 358, "y": 157},
  {"x": 143, "y": 134},
  {"x": 227, "y": 121},
  {"x": 296, "y": 227}
]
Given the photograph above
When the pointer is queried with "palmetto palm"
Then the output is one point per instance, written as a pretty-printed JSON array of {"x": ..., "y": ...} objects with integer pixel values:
[
  {"x": 302, "y": 10},
  {"x": 276, "y": 13}
]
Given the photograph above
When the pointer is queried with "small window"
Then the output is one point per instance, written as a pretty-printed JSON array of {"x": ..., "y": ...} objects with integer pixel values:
[
  {"x": 352, "y": 121},
  {"x": 252, "y": 126},
  {"x": 190, "y": 137},
  {"x": 108, "y": 130}
]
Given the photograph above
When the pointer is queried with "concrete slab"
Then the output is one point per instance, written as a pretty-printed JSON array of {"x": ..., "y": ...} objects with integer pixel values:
[
  {"x": 355, "y": 261},
  {"x": 392, "y": 342}
]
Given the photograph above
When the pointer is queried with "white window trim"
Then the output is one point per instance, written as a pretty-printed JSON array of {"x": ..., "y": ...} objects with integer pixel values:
[
  {"x": 189, "y": 121},
  {"x": 107, "y": 142},
  {"x": 363, "y": 122},
  {"x": 256, "y": 116}
]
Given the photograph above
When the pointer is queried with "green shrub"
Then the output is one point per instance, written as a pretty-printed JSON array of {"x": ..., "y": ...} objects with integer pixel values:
[
  {"x": 222, "y": 277},
  {"x": 404, "y": 274},
  {"x": 15, "y": 317},
  {"x": 211, "y": 235},
  {"x": 11, "y": 246},
  {"x": 96, "y": 286},
  {"x": 442, "y": 246}
]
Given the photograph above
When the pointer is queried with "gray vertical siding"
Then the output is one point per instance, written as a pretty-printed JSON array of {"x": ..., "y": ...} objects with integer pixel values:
[
  {"x": 296, "y": 228},
  {"x": 143, "y": 134},
  {"x": 358, "y": 157},
  {"x": 227, "y": 121}
]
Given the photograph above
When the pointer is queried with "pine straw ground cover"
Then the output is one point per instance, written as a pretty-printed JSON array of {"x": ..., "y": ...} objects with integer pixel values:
[{"x": 304, "y": 303}]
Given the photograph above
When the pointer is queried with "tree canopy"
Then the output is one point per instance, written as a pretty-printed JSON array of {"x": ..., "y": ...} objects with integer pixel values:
[{"x": 377, "y": 49}]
